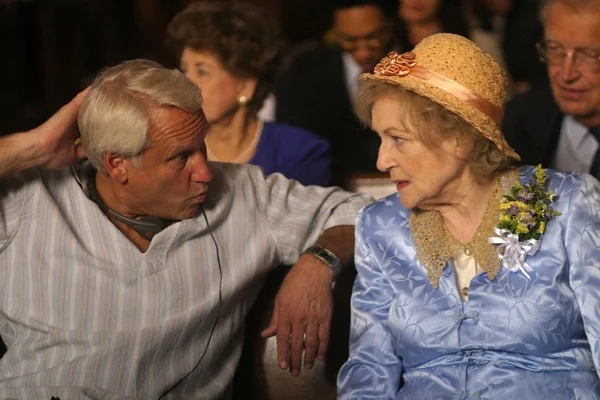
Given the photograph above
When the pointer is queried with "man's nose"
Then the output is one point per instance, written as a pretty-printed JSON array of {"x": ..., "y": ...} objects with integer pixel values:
[
  {"x": 568, "y": 69},
  {"x": 201, "y": 172}
]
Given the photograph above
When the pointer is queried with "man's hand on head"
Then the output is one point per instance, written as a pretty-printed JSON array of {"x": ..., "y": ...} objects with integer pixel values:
[
  {"x": 54, "y": 144},
  {"x": 59, "y": 136}
]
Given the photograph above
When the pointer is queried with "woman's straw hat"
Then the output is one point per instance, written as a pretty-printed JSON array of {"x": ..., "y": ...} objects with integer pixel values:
[{"x": 453, "y": 72}]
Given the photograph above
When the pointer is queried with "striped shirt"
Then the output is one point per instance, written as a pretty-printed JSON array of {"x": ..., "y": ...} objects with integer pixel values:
[{"x": 85, "y": 314}]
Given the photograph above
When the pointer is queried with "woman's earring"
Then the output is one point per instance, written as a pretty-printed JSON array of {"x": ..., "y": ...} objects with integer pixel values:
[{"x": 242, "y": 100}]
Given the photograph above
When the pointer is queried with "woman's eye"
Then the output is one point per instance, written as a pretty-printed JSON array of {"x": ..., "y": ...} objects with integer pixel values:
[{"x": 397, "y": 140}]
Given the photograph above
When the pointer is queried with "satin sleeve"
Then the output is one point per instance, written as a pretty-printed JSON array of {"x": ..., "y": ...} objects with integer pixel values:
[
  {"x": 373, "y": 369},
  {"x": 582, "y": 240}
]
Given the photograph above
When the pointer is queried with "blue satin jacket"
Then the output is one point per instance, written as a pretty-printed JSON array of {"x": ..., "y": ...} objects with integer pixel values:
[{"x": 515, "y": 338}]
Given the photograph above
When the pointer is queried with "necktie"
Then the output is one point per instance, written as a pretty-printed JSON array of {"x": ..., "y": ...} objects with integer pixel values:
[{"x": 595, "y": 169}]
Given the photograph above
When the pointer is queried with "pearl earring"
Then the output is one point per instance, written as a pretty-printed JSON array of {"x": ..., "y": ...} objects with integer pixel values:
[{"x": 242, "y": 100}]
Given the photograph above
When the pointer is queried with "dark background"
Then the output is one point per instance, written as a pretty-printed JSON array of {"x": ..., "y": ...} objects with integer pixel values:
[{"x": 51, "y": 49}]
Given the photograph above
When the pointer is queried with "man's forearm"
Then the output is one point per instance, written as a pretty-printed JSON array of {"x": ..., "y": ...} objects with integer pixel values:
[
  {"x": 53, "y": 144},
  {"x": 340, "y": 241},
  {"x": 18, "y": 152}
]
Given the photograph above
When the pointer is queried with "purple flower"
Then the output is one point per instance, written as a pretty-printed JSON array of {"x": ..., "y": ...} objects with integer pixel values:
[
  {"x": 528, "y": 220},
  {"x": 524, "y": 196},
  {"x": 513, "y": 210}
]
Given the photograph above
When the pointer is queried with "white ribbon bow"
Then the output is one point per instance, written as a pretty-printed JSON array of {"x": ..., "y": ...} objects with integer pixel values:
[{"x": 511, "y": 252}]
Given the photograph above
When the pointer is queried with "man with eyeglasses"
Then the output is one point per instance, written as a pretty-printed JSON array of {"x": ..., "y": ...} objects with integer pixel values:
[
  {"x": 317, "y": 92},
  {"x": 559, "y": 126}
]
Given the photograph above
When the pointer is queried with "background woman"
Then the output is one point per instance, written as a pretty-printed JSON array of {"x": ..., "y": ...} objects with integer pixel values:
[
  {"x": 444, "y": 306},
  {"x": 231, "y": 51}
]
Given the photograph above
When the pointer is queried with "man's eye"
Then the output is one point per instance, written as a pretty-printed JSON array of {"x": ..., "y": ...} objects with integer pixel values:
[
  {"x": 555, "y": 49},
  {"x": 590, "y": 54},
  {"x": 181, "y": 157}
]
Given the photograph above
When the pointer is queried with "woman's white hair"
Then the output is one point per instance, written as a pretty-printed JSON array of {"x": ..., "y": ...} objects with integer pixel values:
[{"x": 114, "y": 116}]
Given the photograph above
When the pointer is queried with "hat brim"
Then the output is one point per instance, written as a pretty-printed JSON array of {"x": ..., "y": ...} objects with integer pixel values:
[{"x": 484, "y": 124}]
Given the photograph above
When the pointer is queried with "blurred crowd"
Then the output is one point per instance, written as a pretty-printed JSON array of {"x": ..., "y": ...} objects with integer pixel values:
[{"x": 310, "y": 83}]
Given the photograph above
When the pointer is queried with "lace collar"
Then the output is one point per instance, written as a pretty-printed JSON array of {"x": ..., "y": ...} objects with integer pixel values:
[{"x": 435, "y": 246}]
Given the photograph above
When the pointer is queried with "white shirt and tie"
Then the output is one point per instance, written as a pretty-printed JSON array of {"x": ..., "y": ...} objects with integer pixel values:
[{"x": 576, "y": 147}]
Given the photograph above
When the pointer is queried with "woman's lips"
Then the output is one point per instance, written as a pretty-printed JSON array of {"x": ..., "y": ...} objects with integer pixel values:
[{"x": 401, "y": 184}]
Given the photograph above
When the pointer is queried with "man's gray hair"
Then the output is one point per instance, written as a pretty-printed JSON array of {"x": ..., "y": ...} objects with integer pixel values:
[
  {"x": 579, "y": 5},
  {"x": 114, "y": 116}
]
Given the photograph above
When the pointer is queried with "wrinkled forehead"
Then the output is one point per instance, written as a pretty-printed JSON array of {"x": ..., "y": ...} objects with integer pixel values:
[
  {"x": 359, "y": 21},
  {"x": 173, "y": 127}
]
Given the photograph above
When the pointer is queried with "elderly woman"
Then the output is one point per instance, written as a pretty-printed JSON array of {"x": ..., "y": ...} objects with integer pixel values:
[
  {"x": 476, "y": 280},
  {"x": 231, "y": 51}
]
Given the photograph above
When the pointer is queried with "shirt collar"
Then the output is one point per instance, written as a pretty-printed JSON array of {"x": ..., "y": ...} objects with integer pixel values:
[{"x": 352, "y": 71}]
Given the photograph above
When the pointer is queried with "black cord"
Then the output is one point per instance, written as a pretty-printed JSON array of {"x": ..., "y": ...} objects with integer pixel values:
[
  {"x": 212, "y": 330},
  {"x": 220, "y": 284}
]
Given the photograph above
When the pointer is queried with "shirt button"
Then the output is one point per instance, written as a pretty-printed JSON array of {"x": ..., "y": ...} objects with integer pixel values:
[
  {"x": 467, "y": 251},
  {"x": 465, "y": 291}
]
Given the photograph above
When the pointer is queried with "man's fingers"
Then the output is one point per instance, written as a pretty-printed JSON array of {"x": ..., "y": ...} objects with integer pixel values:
[
  {"x": 269, "y": 331},
  {"x": 283, "y": 344},
  {"x": 324, "y": 332},
  {"x": 297, "y": 346},
  {"x": 311, "y": 343},
  {"x": 68, "y": 113},
  {"x": 272, "y": 328}
]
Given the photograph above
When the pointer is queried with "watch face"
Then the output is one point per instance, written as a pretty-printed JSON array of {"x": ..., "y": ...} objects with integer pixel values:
[{"x": 331, "y": 259}]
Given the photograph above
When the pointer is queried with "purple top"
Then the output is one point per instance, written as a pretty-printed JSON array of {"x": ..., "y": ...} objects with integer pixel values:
[{"x": 295, "y": 153}]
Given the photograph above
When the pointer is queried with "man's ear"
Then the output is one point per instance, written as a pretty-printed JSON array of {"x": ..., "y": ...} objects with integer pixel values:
[{"x": 116, "y": 166}]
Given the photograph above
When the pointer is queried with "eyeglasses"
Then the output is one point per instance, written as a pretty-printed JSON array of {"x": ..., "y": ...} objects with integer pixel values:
[
  {"x": 554, "y": 54},
  {"x": 372, "y": 41}
]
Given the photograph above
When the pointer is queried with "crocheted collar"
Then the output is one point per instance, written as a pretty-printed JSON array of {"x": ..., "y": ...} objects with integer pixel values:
[{"x": 435, "y": 246}]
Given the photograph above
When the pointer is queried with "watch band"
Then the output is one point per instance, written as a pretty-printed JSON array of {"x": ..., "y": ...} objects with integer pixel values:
[{"x": 327, "y": 257}]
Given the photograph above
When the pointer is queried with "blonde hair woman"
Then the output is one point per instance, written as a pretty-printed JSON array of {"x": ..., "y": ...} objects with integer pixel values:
[{"x": 477, "y": 280}]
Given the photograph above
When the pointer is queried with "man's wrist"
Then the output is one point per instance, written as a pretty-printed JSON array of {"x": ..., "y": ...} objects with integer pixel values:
[{"x": 325, "y": 257}]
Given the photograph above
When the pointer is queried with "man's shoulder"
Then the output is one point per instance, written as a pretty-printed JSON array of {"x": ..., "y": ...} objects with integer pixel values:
[
  {"x": 532, "y": 125},
  {"x": 228, "y": 172},
  {"x": 536, "y": 103},
  {"x": 227, "y": 176},
  {"x": 34, "y": 176}
]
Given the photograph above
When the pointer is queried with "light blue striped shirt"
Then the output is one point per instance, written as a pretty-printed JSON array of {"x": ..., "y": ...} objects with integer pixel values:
[{"x": 85, "y": 314}]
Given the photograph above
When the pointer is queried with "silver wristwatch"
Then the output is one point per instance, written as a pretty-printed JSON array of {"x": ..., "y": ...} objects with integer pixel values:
[{"x": 327, "y": 257}]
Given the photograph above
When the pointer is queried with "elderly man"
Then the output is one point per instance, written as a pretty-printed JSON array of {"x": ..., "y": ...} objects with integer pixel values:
[
  {"x": 130, "y": 276},
  {"x": 317, "y": 92},
  {"x": 559, "y": 126}
]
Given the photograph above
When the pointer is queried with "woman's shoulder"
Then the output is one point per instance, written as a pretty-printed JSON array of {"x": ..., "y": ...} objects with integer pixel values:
[
  {"x": 558, "y": 181},
  {"x": 290, "y": 145},
  {"x": 290, "y": 136},
  {"x": 386, "y": 212},
  {"x": 570, "y": 188}
]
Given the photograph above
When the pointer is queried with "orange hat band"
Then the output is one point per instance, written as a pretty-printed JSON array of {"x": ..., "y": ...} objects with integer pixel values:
[{"x": 405, "y": 64}]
